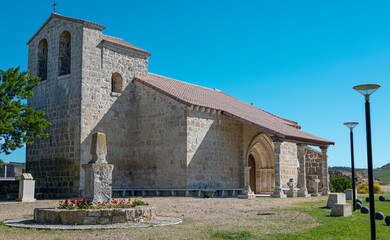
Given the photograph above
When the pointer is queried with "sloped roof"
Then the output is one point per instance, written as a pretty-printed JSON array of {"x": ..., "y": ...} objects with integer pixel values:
[
  {"x": 191, "y": 94},
  {"x": 106, "y": 38},
  {"x": 76, "y": 20},
  {"x": 123, "y": 43}
]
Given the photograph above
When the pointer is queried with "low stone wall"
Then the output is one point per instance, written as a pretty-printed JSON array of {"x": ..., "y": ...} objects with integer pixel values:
[
  {"x": 9, "y": 187},
  {"x": 94, "y": 216}
]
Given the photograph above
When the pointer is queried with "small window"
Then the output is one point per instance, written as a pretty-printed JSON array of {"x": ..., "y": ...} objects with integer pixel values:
[
  {"x": 64, "y": 54},
  {"x": 42, "y": 59},
  {"x": 116, "y": 83}
]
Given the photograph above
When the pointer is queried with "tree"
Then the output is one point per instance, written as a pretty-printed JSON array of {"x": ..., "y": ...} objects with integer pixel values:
[
  {"x": 19, "y": 123},
  {"x": 339, "y": 184}
]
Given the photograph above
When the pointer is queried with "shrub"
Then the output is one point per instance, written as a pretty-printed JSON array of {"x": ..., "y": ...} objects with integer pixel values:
[
  {"x": 363, "y": 188},
  {"x": 112, "y": 203},
  {"x": 339, "y": 184}
]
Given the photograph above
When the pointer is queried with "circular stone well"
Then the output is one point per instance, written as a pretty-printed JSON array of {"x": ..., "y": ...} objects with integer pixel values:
[{"x": 94, "y": 216}]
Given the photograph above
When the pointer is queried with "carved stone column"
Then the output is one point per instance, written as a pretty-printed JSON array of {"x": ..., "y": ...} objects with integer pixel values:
[
  {"x": 246, "y": 175},
  {"x": 325, "y": 182},
  {"x": 98, "y": 173},
  {"x": 278, "y": 192},
  {"x": 302, "y": 161}
]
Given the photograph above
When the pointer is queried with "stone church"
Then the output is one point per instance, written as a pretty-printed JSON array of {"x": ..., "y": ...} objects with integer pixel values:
[{"x": 164, "y": 136}]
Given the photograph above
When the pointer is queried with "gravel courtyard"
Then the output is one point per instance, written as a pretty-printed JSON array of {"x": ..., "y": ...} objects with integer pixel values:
[{"x": 201, "y": 217}]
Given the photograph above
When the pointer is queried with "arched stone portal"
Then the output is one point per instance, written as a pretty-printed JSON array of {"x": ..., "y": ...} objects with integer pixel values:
[
  {"x": 252, "y": 172},
  {"x": 260, "y": 159}
]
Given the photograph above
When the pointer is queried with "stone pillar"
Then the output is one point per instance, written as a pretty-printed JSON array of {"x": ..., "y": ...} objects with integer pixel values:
[
  {"x": 246, "y": 175},
  {"x": 278, "y": 192},
  {"x": 302, "y": 167},
  {"x": 325, "y": 182},
  {"x": 98, "y": 173},
  {"x": 26, "y": 188}
]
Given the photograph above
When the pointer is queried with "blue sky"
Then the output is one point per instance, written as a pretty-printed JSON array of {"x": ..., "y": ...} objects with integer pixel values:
[{"x": 296, "y": 59}]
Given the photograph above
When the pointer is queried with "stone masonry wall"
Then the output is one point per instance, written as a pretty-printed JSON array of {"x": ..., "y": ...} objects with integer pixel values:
[
  {"x": 313, "y": 168},
  {"x": 288, "y": 162},
  {"x": 213, "y": 151},
  {"x": 54, "y": 162},
  {"x": 114, "y": 114},
  {"x": 158, "y": 142}
]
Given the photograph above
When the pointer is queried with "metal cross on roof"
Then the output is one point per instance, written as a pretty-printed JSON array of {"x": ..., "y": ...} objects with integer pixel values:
[{"x": 54, "y": 6}]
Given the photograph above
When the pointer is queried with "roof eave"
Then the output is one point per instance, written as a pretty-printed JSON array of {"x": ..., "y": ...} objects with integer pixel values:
[
  {"x": 306, "y": 141},
  {"x": 55, "y": 15},
  {"x": 124, "y": 48}
]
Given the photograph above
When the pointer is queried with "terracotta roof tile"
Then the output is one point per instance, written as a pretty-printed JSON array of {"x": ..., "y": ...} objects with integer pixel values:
[
  {"x": 123, "y": 43},
  {"x": 190, "y": 94}
]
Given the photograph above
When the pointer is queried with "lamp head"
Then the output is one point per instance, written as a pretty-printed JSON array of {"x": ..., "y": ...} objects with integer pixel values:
[
  {"x": 367, "y": 89},
  {"x": 351, "y": 125}
]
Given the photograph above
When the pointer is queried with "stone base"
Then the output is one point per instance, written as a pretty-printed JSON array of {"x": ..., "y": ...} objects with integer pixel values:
[
  {"x": 325, "y": 192},
  {"x": 316, "y": 194},
  {"x": 303, "y": 194},
  {"x": 30, "y": 224},
  {"x": 97, "y": 184},
  {"x": 291, "y": 194},
  {"x": 247, "y": 196},
  {"x": 341, "y": 210},
  {"x": 94, "y": 216},
  {"x": 26, "y": 190},
  {"x": 349, "y": 194},
  {"x": 25, "y": 199},
  {"x": 281, "y": 195},
  {"x": 335, "y": 198}
]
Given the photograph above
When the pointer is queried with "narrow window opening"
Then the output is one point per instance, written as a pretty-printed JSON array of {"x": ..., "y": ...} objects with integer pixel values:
[
  {"x": 64, "y": 53},
  {"x": 116, "y": 83},
  {"x": 42, "y": 59}
]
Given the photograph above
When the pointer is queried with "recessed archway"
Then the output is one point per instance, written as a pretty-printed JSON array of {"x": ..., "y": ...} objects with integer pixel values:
[
  {"x": 252, "y": 172},
  {"x": 260, "y": 151}
]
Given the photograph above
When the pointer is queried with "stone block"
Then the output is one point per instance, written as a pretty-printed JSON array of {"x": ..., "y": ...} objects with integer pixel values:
[
  {"x": 107, "y": 213},
  {"x": 118, "y": 219},
  {"x": 104, "y": 221},
  {"x": 247, "y": 196},
  {"x": 91, "y": 220},
  {"x": 247, "y": 193},
  {"x": 349, "y": 194},
  {"x": 26, "y": 188},
  {"x": 334, "y": 198},
  {"x": 341, "y": 210},
  {"x": 93, "y": 213}
]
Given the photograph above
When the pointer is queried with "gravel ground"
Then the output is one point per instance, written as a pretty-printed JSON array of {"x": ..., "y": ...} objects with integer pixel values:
[{"x": 201, "y": 217}]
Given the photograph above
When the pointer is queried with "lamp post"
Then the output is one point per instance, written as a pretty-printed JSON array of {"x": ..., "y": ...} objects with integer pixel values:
[
  {"x": 367, "y": 90},
  {"x": 351, "y": 125}
]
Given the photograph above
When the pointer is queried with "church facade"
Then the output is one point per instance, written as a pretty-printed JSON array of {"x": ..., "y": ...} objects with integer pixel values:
[{"x": 164, "y": 136}]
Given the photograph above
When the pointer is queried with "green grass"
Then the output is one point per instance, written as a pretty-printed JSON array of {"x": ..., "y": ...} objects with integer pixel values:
[
  {"x": 355, "y": 227},
  {"x": 244, "y": 235}
]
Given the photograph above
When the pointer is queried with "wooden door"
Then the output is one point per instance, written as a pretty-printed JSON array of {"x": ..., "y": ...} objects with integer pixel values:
[{"x": 252, "y": 173}]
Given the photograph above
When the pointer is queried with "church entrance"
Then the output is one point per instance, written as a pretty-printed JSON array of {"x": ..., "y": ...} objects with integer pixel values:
[
  {"x": 262, "y": 167},
  {"x": 252, "y": 173}
]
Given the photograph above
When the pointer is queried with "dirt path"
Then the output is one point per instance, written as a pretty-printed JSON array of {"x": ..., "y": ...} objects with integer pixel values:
[{"x": 200, "y": 217}]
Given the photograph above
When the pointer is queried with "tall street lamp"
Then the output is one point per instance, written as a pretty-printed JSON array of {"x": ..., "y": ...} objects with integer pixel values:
[
  {"x": 351, "y": 125},
  {"x": 367, "y": 90}
]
